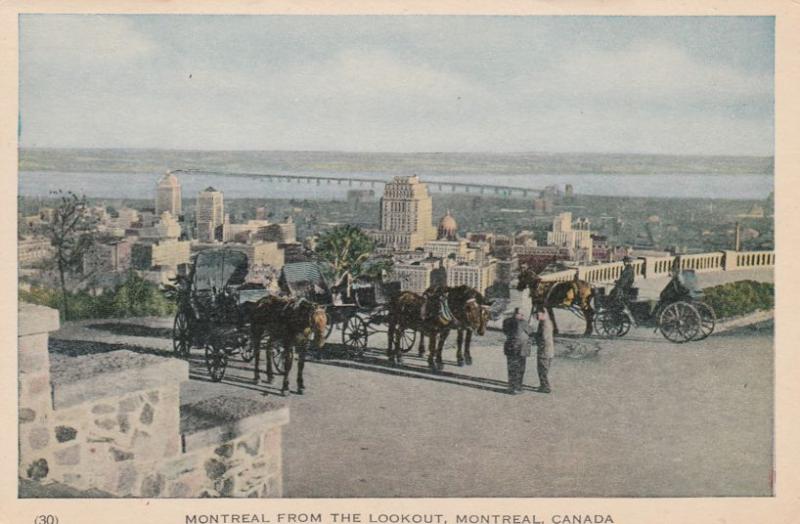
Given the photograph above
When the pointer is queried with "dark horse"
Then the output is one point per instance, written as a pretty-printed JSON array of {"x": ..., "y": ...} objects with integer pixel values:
[
  {"x": 429, "y": 317},
  {"x": 290, "y": 322},
  {"x": 470, "y": 311},
  {"x": 574, "y": 293}
]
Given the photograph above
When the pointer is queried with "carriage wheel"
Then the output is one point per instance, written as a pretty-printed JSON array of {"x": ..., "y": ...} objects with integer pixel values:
[
  {"x": 407, "y": 340},
  {"x": 278, "y": 356},
  {"x": 355, "y": 335},
  {"x": 679, "y": 322},
  {"x": 216, "y": 359},
  {"x": 607, "y": 323},
  {"x": 181, "y": 335},
  {"x": 708, "y": 320},
  {"x": 625, "y": 324}
]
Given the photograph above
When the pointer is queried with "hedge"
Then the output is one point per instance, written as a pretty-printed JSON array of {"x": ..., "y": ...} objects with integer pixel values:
[
  {"x": 740, "y": 298},
  {"x": 135, "y": 297}
]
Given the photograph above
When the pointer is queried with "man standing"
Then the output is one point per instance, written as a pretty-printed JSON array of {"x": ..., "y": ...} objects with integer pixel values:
[
  {"x": 545, "y": 349},
  {"x": 517, "y": 349}
]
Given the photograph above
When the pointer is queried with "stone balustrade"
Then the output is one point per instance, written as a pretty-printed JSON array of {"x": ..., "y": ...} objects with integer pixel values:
[
  {"x": 749, "y": 259},
  {"x": 658, "y": 267},
  {"x": 559, "y": 276},
  {"x": 113, "y": 423},
  {"x": 703, "y": 262}
]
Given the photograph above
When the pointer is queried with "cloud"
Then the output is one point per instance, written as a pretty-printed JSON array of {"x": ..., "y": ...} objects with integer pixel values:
[
  {"x": 71, "y": 39},
  {"x": 108, "y": 81},
  {"x": 647, "y": 70}
]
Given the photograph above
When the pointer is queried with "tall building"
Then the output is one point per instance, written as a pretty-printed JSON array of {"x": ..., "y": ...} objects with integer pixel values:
[
  {"x": 478, "y": 276},
  {"x": 209, "y": 214},
  {"x": 149, "y": 254},
  {"x": 166, "y": 227},
  {"x": 168, "y": 195},
  {"x": 420, "y": 275},
  {"x": 406, "y": 214},
  {"x": 242, "y": 232},
  {"x": 261, "y": 254},
  {"x": 446, "y": 248},
  {"x": 565, "y": 235}
]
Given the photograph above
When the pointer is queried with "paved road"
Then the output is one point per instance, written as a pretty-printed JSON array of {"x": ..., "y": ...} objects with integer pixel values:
[{"x": 639, "y": 417}]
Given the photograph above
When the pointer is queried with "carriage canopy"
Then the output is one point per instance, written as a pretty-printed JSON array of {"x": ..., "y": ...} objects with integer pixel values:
[
  {"x": 305, "y": 279},
  {"x": 219, "y": 268}
]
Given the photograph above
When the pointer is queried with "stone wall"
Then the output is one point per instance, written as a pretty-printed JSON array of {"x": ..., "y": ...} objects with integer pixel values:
[{"x": 113, "y": 422}]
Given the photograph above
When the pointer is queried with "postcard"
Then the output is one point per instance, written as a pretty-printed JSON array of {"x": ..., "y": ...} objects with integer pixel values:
[{"x": 381, "y": 264}]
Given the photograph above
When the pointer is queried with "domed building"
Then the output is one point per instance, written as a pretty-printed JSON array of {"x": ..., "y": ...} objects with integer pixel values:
[{"x": 448, "y": 228}]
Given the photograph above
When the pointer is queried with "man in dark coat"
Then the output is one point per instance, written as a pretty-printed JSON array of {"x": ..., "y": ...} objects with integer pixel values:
[
  {"x": 624, "y": 283},
  {"x": 517, "y": 349},
  {"x": 545, "y": 349}
]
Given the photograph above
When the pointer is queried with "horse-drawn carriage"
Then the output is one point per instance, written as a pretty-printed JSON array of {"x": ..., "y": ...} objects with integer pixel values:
[
  {"x": 679, "y": 314},
  {"x": 214, "y": 305},
  {"x": 219, "y": 311},
  {"x": 359, "y": 308}
]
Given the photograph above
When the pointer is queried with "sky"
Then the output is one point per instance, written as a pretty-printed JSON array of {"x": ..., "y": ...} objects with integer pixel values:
[{"x": 658, "y": 85}]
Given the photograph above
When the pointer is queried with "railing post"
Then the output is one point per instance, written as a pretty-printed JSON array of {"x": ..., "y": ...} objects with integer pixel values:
[{"x": 729, "y": 260}]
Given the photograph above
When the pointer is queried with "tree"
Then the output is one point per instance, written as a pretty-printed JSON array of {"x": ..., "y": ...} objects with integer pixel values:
[
  {"x": 71, "y": 235},
  {"x": 347, "y": 249}
]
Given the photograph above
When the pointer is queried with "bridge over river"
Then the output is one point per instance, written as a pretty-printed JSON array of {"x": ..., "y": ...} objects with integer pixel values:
[{"x": 371, "y": 183}]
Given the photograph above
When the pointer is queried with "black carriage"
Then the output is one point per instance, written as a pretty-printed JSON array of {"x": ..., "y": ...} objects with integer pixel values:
[
  {"x": 214, "y": 305},
  {"x": 680, "y": 313},
  {"x": 359, "y": 308}
]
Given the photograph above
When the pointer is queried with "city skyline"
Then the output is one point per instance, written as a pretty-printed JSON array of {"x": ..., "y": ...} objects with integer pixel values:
[{"x": 701, "y": 85}]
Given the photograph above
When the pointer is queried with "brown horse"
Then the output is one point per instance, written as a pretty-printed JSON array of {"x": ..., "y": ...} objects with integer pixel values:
[
  {"x": 429, "y": 317},
  {"x": 470, "y": 312},
  {"x": 575, "y": 293},
  {"x": 292, "y": 322}
]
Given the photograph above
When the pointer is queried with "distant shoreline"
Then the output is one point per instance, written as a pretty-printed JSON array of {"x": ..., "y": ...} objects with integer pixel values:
[{"x": 511, "y": 164}]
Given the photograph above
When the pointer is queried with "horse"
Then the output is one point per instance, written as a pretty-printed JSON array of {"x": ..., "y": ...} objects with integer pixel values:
[
  {"x": 575, "y": 293},
  {"x": 427, "y": 316},
  {"x": 292, "y": 322},
  {"x": 470, "y": 311}
]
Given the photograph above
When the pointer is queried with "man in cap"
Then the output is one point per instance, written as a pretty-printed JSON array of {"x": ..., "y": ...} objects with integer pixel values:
[
  {"x": 624, "y": 283},
  {"x": 517, "y": 349}
]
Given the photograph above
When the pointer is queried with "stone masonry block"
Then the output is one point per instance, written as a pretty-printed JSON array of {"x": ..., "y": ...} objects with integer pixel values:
[
  {"x": 33, "y": 343},
  {"x": 39, "y": 438},
  {"x": 96, "y": 378},
  {"x": 219, "y": 420},
  {"x": 34, "y": 385},
  {"x": 33, "y": 319},
  {"x": 65, "y": 433},
  {"x": 68, "y": 456},
  {"x": 26, "y": 415},
  {"x": 126, "y": 481},
  {"x": 41, "y": 405},
  {"x": 32, "y": 354}
]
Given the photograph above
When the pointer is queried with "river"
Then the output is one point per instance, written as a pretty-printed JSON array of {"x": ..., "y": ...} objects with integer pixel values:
[{"x": 142, "y": 185}]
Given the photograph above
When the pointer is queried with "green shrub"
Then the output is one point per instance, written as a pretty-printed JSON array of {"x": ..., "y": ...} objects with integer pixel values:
[
  {"x": 740, "y": 298},
  {"x": 135, "y": 297}
]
